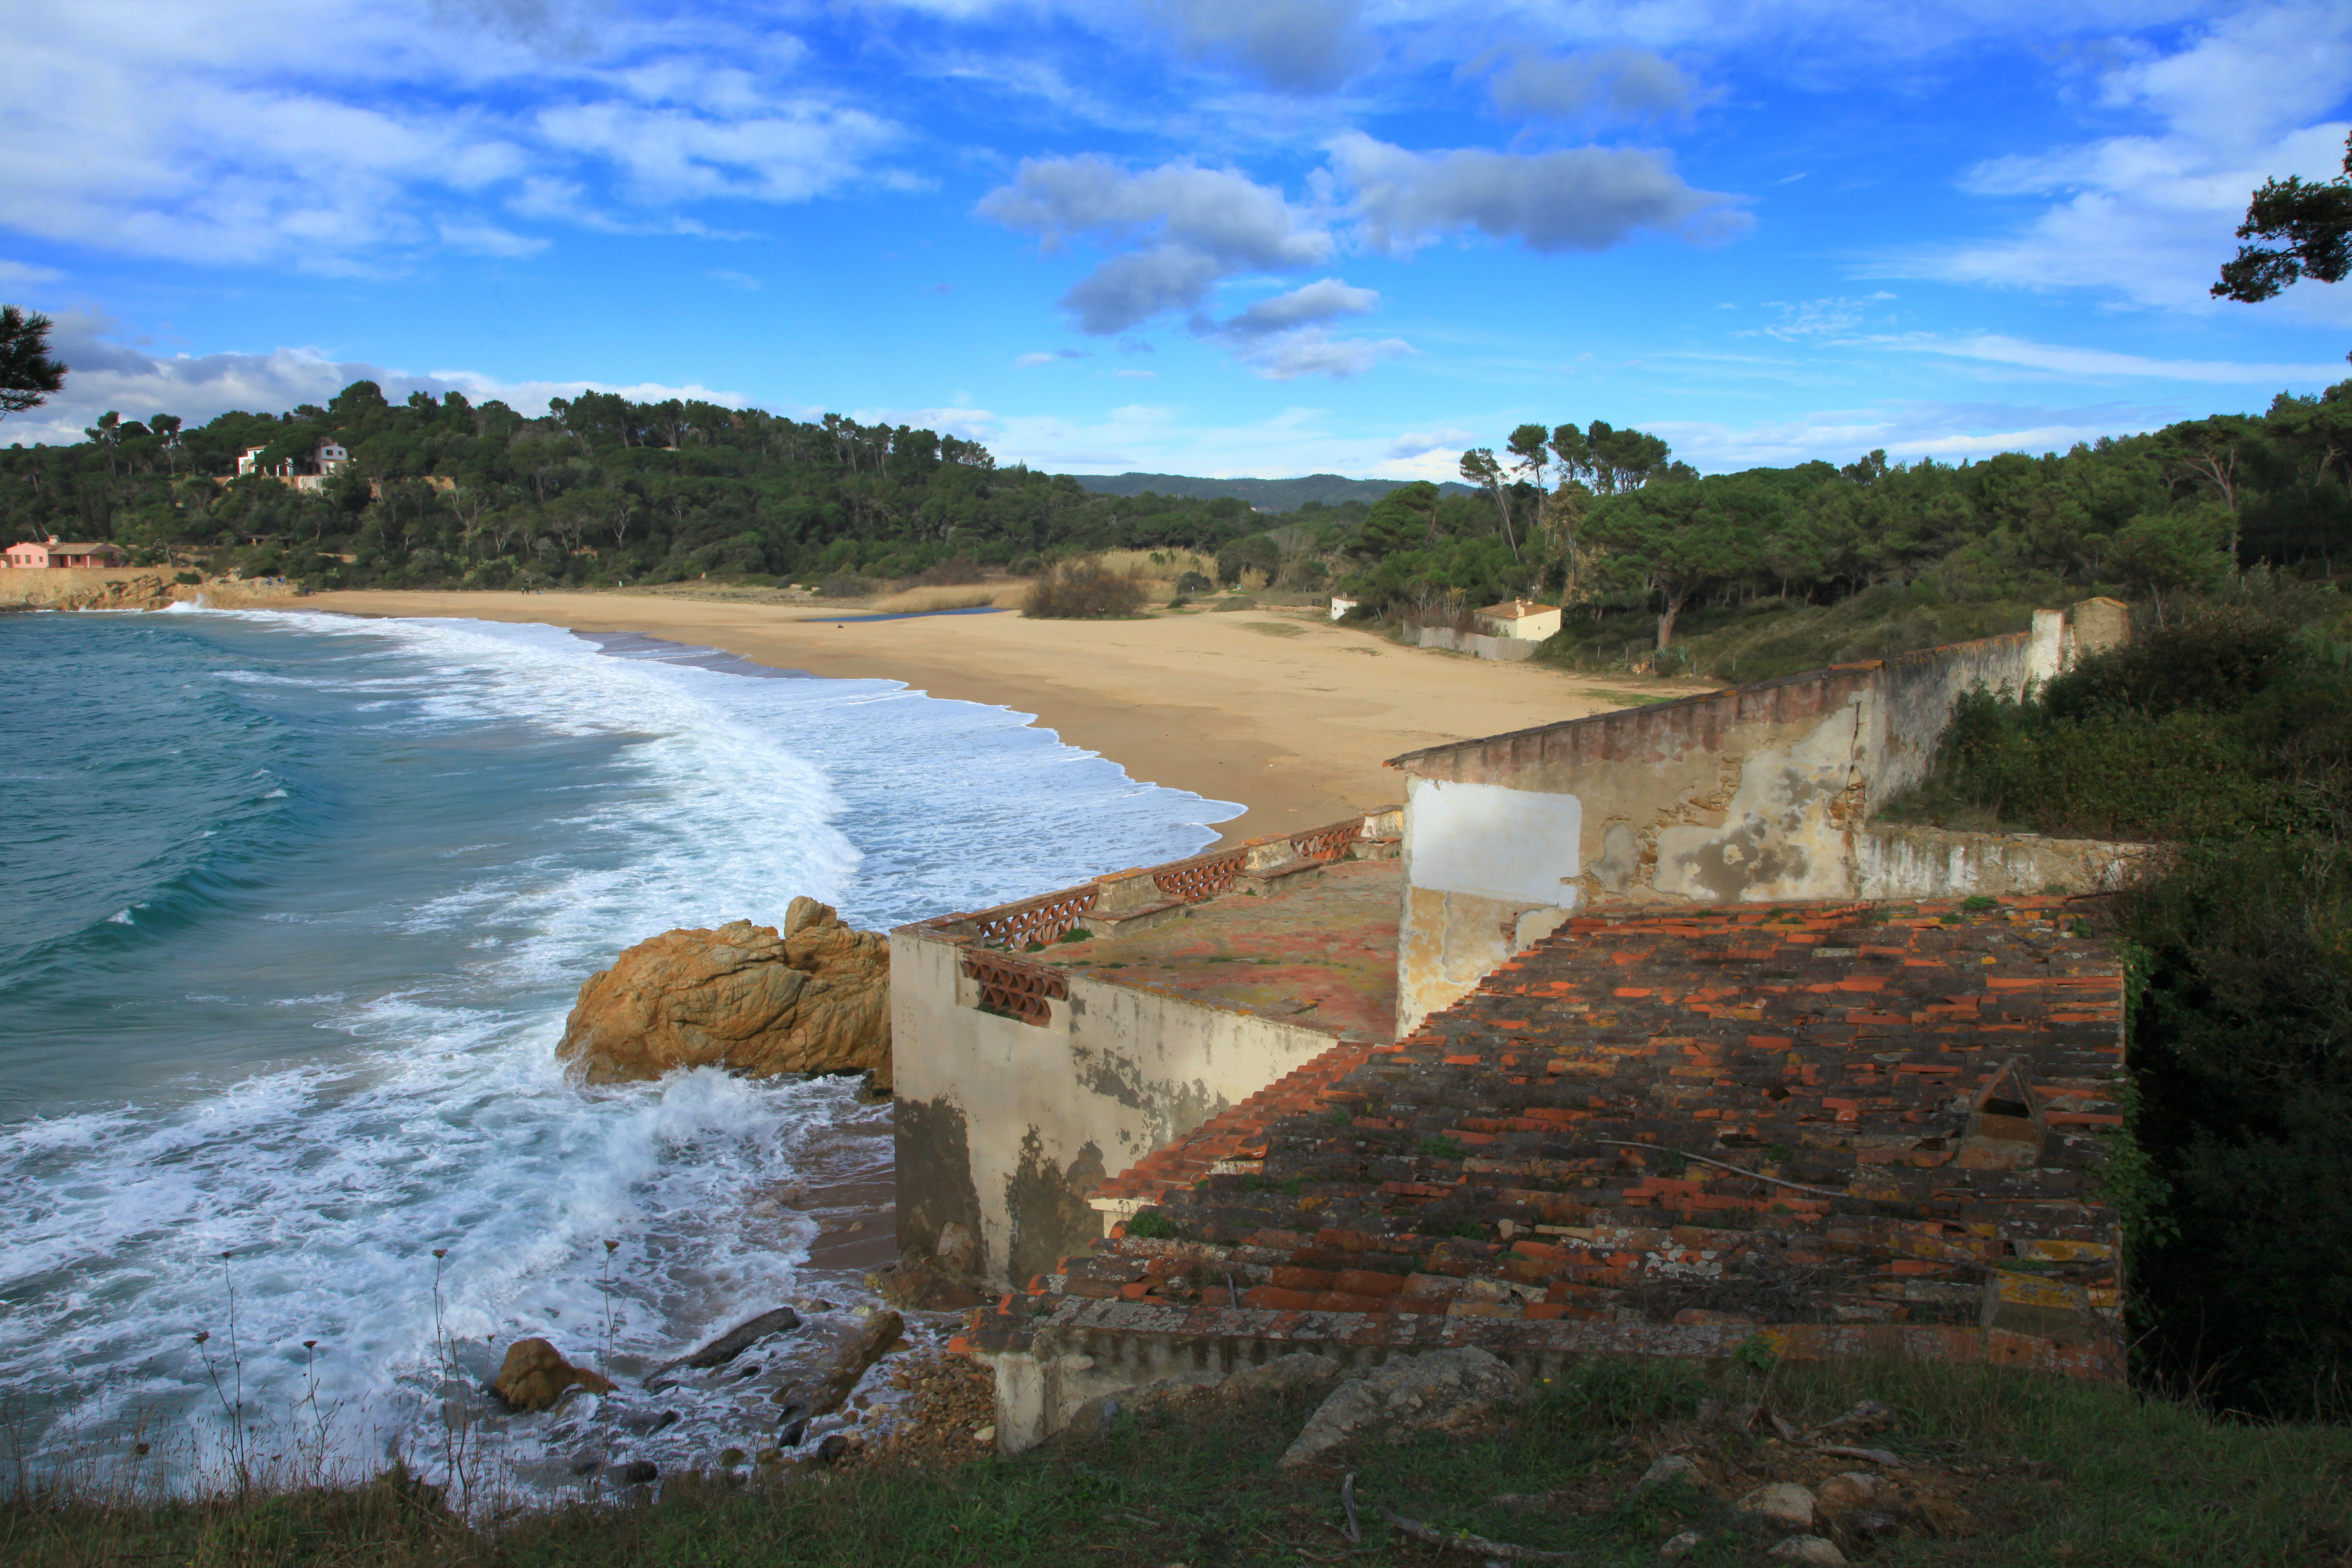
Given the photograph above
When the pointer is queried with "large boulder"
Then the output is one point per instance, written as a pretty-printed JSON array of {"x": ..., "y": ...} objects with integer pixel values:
[
  {"x": 814, "y": 997},
  {"x": 534, "y": 1376}
]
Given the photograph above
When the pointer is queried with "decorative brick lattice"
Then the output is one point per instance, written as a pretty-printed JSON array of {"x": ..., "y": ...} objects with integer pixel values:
[
  {"x": 1037, "y": 920},
  {"x": 1201, "y": 879},
  {"x": 1327, "y": 843},
  {"x": 1024, "y": 990}
]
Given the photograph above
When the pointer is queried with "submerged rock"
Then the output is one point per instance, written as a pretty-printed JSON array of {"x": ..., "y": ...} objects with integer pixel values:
[
  {"x": 534, "y": 1376},
  {"x": 814, "y": 997},
  {"x": 823, "y": 1395},
  {"x": 729, "y": 1345}
]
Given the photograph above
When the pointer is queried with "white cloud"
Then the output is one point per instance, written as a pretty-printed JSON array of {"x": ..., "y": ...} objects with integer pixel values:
[
  {"x": 1189, "y": 227},
  {"x": 1136, "y": 374},
  {"x": 1415, "y": 443},
  {"x": 669, "y": 154},
  {"x": 1948, "y": 432},
  {"x": 1619, "y": 83},
  {"x": 1287, "y": 336},
  {"x": 1832, "y": 318},
  {"x": 2149, "y": 217},
  {"x": 1293, "y": 45},
  {"x": 108, "y": 372},
  {"x": 22, "y": 274},
  {"x": 1030, "y": 362},
  {"x": 1312, "y": 351},
  {"x": 743, "y": 280},
  {"x": 339, "y": 136},
  {"x": 1995, "y": 349},
  {"x": 1578, "y": 198},
  {"x": 488, "y": 238},
  {"x": 1321, "y": 300}
]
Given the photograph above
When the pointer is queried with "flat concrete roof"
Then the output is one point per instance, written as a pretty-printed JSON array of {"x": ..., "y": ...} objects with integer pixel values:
[{"x": 1322, "y": 954}]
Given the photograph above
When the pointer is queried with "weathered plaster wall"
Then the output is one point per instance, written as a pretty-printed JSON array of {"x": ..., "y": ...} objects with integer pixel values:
[
  {"x": 1006, "y": 1126},
  {"x": 1894, "y": 860}
]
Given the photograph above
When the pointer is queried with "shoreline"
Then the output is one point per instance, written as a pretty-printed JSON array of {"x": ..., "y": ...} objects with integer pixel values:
[{"x": 1286, "y": 716}]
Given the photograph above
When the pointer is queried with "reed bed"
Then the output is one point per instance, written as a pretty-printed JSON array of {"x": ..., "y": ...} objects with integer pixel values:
[{"x": 1002, "y": 595}]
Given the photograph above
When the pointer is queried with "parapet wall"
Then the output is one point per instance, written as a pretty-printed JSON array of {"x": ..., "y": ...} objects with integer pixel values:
[
  {"x": 1759, "y": 792},
  {"x": 1021, "y": 1085}
]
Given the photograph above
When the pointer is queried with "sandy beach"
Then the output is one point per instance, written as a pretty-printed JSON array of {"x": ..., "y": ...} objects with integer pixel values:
[{"x": 1289, "y": 716}]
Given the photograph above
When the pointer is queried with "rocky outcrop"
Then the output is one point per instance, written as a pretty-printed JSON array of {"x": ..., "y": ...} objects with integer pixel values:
[
  {"x": 72, "y": 588},
  {"x": 814, "y": 997},
  {"x": 111, "y": 588},
  {"x": 534, "y": 1376}
]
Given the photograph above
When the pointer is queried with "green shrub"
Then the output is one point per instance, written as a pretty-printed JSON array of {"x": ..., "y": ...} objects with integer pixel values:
[
  {"x": 1083, "y": 590},
  {"x": 2242, "y": 1062},
  {"x": 2219, "y": 727},
  {"x": 1152, "y": 1226}
]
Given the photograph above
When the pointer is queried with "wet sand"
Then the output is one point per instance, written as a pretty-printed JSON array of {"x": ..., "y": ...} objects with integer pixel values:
[{"x": 1287, "y": 715}]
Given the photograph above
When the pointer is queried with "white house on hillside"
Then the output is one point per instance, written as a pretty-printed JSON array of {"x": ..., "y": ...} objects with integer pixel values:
[
  {"x": 326, "y": 461},
  {"x": 1520, "y": 619}
]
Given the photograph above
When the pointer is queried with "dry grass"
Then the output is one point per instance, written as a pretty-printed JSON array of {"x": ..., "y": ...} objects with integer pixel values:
[
  {"x": 1157, "y": 565},
  {"x": 1001, "y": 596},
  {"x": 2043, "y": 1473}
]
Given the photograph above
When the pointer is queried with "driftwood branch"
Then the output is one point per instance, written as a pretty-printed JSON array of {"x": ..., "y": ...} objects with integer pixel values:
[
  {"x": 1463, "y": 1540},
  {"x": 1347, "y": 1501}
]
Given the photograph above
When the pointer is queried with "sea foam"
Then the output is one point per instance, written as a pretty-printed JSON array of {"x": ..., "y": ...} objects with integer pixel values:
[{"x": 442, "y": 829}]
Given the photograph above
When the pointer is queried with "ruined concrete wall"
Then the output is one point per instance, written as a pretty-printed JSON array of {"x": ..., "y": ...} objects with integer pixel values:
[
  {"x": 1918, "y": 690},
  {"x": 1756, "y": 793},
  {"x": 1745, "y": 793},
  {"x": 1006, "y": 1126}
]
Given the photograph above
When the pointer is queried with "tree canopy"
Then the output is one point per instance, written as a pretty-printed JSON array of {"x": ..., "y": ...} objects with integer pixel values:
[
  {"x": 28, "y": 376},
  {"x": 2309, "y": 225}
]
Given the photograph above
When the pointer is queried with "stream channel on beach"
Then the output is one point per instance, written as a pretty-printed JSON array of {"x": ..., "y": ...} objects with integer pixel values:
[{"x": 296, "y": 907}]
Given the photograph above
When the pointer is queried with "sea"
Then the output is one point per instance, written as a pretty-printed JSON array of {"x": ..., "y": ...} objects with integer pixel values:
[{"x": 295, "y": 906}]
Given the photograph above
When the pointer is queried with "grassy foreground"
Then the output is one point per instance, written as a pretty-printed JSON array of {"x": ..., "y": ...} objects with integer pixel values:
[{"x": 2055, "y": 1474}]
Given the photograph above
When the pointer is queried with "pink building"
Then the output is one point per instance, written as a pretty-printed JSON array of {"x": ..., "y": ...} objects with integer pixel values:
[{"x": 54, "y": 554}]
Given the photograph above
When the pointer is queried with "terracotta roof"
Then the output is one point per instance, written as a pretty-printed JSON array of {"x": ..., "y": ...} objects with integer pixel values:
[
  {"x": 1517, "y": 609},
  {"x": 1664, "y": 1128}
]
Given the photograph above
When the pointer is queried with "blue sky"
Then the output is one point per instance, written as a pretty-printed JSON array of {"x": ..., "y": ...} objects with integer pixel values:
[{"x": 1262, "y": 238}]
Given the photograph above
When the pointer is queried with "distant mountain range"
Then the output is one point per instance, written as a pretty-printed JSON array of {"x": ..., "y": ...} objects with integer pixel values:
[{"x": 1265, "y": 495}]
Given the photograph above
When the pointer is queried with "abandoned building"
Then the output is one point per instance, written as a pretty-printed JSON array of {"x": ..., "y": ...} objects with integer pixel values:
[{"x": 1633, "y": 1033}]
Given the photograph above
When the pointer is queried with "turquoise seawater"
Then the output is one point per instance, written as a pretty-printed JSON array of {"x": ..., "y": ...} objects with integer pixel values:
[{"x": 295, "y": 906}]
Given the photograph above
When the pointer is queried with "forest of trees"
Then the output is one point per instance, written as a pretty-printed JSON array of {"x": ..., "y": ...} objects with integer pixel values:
[
  {"x": 600, "y": 491},
  {"x": 1602, "y": 520}
]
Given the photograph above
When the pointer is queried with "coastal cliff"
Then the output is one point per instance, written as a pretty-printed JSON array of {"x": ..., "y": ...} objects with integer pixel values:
[{"x": 80, "y": 588}]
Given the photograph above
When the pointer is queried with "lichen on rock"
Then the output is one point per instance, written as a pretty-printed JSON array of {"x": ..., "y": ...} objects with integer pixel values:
[{"x": 813, "y": 997}]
